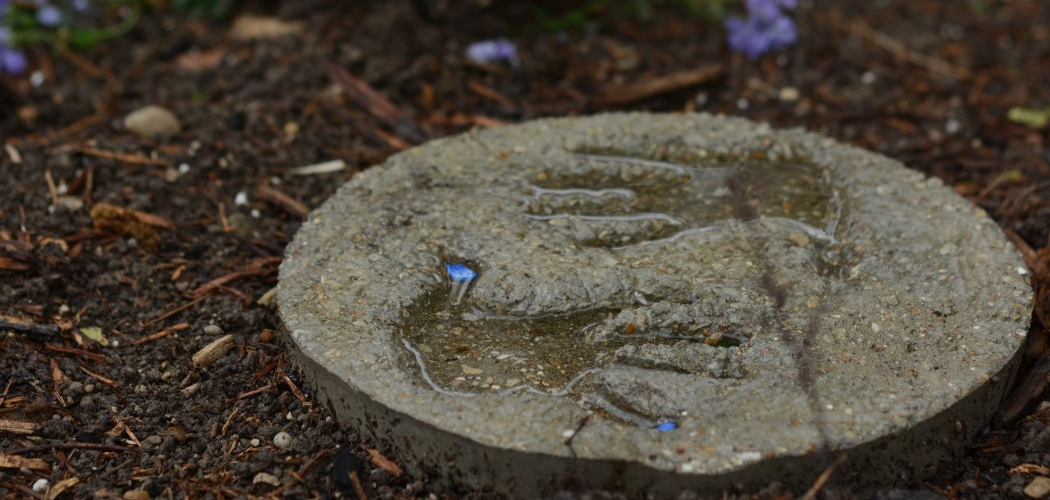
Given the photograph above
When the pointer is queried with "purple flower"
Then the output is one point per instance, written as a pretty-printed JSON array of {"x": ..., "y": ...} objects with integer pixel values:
[
  {"x": 49, "y": 15},
  {"x": 765, "y": 29},
  {"x": 768, "y": 9},
  {"x": 12, "y": 61},
  {"x": 490, "y": 51}
]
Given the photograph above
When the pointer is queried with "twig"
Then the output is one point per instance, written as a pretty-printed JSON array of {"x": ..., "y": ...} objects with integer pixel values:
[
  {"x": 490, "y": 94},
  {"x": 69, "y": 446},
  {"x": 254, "y": 392},
  {"x": 229, "y": 420},
  {"x": 30, "y": 329},
  {"x": 616, "y": 95},
  {"x": 313, "y": 461},
  {"x": 51, "y": 189},
  {"x": 377, "y": 105},
  {"x": 295, "y": 390},
  {"x": 284, "y": 201},
  {"x": 898, "y": 49},
  {"x": 822, "y": 479},
  {"x": 100, "y": 378},
  {"x": 358, "y": 489},
  {"x": 177, "y": 310},
  {"x": 383, "y": 462},
  {"x": 80, "y": 353},
  {"x": 163, "y": 333},
  {"x": 129, "y": 158},
  {"x": 252, "y": 270}
]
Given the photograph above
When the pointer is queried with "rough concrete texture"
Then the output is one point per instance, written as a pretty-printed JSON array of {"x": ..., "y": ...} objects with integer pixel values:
[{"x": 776, "y": 298}]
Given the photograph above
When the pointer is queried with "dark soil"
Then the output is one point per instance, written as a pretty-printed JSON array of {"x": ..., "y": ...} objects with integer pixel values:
[{"x": 931, "y": 87}]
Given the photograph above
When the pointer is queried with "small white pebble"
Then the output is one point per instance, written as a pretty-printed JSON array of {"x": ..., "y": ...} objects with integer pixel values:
[
  {"x": 742, "y": 103},
  {"x": 240, "y": 199},
  {"x": 788, "y": 94},
  {"x": 282, "y": 440},
  {"x": 37, "y": 78},
  {"x": 40, "y": 485},
  {"x": 184, "y": 168},
  {"x": 255, "y": 442},
  {"x": 568, "y": 433},
  {"x": 867, "y": 78},
  {"x": 266, "y": 478},
  {"x": 256, "y": 213},
  {"x": 952, "y": 126}
]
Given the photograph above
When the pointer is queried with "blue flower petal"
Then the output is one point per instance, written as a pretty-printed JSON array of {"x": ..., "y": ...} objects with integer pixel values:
[
  {"x": 460, "y": 272},
  {"x": 670, "y": 425}
]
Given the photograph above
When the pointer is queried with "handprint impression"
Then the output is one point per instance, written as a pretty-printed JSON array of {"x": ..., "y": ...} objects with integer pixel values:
[{"x": 677, "y": 244}]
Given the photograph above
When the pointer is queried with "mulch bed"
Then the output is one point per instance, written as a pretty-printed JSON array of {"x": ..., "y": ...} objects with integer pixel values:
[{"x": 151, "y": 244}]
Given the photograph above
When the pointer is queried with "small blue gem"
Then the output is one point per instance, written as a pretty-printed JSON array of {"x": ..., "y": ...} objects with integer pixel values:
[
  {"x": 667, "y": 426},
  {"x": 460, "y": 272}
]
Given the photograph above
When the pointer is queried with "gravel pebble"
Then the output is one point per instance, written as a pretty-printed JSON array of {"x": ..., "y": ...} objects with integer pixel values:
[
  {"x": 136, "y": 495},
  {"x": 152, "y": 122},
  {"x": 266, "y": 478},
  {"x": 282, "y": 440},
  {"x": 1038, "y": 488}
]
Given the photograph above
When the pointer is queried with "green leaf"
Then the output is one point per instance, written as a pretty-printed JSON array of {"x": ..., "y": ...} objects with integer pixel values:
[
  {"x": 1030, "y": 117},
  {"x": 95, "y": 333}
]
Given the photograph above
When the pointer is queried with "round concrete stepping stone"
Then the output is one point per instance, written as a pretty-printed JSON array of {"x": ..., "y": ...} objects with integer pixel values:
[{"x": 655, "y": 302}]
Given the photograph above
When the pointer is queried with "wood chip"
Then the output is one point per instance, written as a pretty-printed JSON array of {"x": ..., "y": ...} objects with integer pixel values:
[
  {"x": 120, "y": 220},
  {"x": 1029, "y": 469},
  {"x": 213, "y": 351},
  {"x": 18, "y": 427},
  {"x": 16, "y": 462},
  {"x": 384, "y": 463},
  {"x": 1027, "y": 390},
  {"x": 7, "y": 264},
  {"x": 61, "y": 486}
]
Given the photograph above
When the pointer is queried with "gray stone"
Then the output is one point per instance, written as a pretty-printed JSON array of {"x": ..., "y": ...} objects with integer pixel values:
[
  {"x": 212, "y": 330},
  {"x": 282, "y": 440},
  {"x": 662, "y": 302},
  {"x": 152, "y": 122},
  {"x": 266, "y": 478}
]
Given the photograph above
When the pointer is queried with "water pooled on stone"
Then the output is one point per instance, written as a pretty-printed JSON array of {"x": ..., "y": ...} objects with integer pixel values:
[{"x": 620, "y": 202}]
